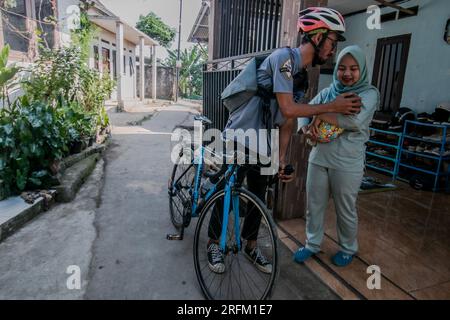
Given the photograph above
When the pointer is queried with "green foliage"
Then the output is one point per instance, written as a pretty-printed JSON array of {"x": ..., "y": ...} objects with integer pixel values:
[
  {"x": 191, "y": 78},
  {"x": 95, "y": 89},
  {"x": 7, "y": 74},
  {"x": 8, "y": 4},
  {"x": 82, "y": 38},
  {"x": 155, "y": 28},
  {"x": 32, "y": 137},
  {"x": 63, "y": 105},
  {"x": 61, "y": 75},
  {"x": 56, "y": 73},
  {"x": 80, "y": 124}
]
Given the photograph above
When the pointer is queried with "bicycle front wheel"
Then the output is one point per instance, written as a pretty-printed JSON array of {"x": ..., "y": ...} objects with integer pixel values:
[
  {"x": 181, "y": 186},
  {"x": 242, "y": 278}
]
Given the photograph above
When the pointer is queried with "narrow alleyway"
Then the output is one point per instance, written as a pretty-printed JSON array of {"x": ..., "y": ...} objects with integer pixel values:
[
  {"x": 115, "y": 230},
  {"x": 132, "y": 258}
]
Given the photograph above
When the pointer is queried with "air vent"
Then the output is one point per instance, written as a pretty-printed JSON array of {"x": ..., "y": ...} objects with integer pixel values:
[
  {"x": 402, "y": 15},
  {"x": 388, "y": 16}
]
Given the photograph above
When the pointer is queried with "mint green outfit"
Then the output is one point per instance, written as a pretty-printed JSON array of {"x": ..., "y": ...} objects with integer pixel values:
[{"x": 336, "y": 168}]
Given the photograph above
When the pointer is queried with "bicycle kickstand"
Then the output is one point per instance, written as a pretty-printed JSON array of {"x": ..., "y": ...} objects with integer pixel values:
[{"x": 176, "y": 236}]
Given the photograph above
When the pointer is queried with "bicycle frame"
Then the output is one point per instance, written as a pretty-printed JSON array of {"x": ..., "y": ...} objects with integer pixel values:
[
  {"x": 226, "y": 211},
  {"x": 230, "y": 177}
]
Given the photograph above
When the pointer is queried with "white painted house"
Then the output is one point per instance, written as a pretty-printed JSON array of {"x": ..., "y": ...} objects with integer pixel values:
[{"x": 114, "y": 49}]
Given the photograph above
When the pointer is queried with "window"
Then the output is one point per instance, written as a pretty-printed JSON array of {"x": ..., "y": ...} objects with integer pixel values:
[
  {"x": 131, "y": 66},
  {"x": 124, "y": 65},
  {"x": 15, "y": 27},
  {"x": 389, "y": 16},
  {"x": 395, "y": 15},
  {"x": 402, "y": 15},
  {"x": 114, "y": 57},
  {"x": 105, "y": 60},
  {"x": 44, "y": 10},
  {"x": 96, "y": 58}
]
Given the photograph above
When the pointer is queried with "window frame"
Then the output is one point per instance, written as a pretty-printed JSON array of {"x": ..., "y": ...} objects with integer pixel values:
[{"x": 19, "y": 56}]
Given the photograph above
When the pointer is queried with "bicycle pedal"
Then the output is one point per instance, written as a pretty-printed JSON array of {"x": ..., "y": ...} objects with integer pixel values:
[{"x": 174, "y": 237}]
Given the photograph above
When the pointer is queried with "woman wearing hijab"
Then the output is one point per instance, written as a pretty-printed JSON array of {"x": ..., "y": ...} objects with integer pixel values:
[{"x": 336, "y": 168}]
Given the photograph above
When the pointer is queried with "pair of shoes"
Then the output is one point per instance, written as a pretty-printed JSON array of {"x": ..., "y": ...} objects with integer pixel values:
[
  {"x": 216, "y": 261},
  {"x": 342, "y": 259},
  {"x": 302, "y": 255},
  {"x": 434, "y": 151},
  {"x": 258, "y": 259}
]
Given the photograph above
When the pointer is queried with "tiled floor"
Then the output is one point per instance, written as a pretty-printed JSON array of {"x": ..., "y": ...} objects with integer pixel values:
[{"x": 405, "y": 232}]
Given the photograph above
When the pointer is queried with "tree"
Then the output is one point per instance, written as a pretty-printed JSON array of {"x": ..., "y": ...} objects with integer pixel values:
[
  {"x": 155, "y": 28},
  {"x": 192, "y": 59}
]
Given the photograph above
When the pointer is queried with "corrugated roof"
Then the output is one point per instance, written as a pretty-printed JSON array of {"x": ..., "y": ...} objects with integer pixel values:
[{"x": 200, "y": 30}]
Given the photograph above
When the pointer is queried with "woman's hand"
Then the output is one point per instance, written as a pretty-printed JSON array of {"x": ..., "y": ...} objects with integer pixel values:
[
  {"x": 314, "y": 127},
  {"x": 312, "y": 130}
]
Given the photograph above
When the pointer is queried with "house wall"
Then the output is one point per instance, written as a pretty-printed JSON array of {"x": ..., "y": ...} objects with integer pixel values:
[
  {"x": 427, "y": 78},
  {"x": 129, "y": 79}
]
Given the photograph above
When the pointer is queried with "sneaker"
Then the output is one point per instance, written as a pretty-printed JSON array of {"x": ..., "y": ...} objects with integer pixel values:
[
  {"x": 258, "y": 259},
  {"x": 434, "y": 151},
  {"x": 302, "y": 255},
  {"x": 381, "y": 152},
  {"x": 215, "y": 258},
  {"x": 342, "y": 259}
]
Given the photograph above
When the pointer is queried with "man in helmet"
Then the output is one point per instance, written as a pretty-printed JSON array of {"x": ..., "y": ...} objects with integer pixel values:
[{"x": 322, "y": 28}]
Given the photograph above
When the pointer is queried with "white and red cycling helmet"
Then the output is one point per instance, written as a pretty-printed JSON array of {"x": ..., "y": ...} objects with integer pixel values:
[{"x": 315, "y": 18}]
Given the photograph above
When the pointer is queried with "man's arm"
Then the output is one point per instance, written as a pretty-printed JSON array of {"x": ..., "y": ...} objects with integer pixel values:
[
  {"x": 347, "y": 103},
  {"x": 355, "y": 122}
]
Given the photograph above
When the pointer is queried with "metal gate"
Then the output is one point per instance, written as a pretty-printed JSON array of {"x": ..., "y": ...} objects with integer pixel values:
[{"x": 245, "y": 28}]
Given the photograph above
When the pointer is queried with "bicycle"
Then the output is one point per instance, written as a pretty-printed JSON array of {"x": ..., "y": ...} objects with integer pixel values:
[{"x": 225, "y": 200}]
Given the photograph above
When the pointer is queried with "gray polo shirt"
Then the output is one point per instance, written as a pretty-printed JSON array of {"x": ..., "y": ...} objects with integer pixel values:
[{"x": 275, "y": 74}]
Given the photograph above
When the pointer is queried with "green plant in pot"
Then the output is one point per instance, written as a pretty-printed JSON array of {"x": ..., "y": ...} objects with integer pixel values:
[{"x": 81, "y": 126}]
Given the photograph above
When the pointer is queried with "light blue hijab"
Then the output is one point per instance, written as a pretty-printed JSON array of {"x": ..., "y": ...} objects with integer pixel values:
[{"x": 363, "y": 84}]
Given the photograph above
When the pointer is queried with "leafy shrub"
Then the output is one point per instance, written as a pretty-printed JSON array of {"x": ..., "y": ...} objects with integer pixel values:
[
  {"x": 80, "y": 124},
  {"x": 95, "y": 90},
  {"x": 55, "y": 74},
  {"x": 7, "y": 74},
  {"x": 63, "y": 105},
  {"x": 32, "y": 137}
]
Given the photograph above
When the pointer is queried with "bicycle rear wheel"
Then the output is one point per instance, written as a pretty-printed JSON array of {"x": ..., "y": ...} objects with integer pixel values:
[
  {"x": 241, "y": 279},
  {"x": 181, "y": 186}
]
